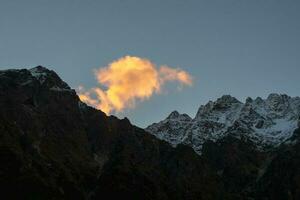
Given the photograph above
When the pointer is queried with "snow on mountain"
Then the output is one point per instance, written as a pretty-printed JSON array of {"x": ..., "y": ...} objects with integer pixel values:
[
  {"x": 42, "y": 76},
  {"x": 267, "y": 122},
  {"x": 40, "y": 73},
  {"x": 49, "y": 78}
]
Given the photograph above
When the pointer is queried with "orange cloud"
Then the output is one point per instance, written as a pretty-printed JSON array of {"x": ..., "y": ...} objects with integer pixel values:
[
  {"x": 129, "y": 79},
  {"x": 170, "y": 74}
]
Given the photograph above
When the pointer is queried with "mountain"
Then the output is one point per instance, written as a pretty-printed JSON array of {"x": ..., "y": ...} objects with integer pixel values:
[
  {"x": 266, "y": 122},
  {"x": 53, "y": 146}
]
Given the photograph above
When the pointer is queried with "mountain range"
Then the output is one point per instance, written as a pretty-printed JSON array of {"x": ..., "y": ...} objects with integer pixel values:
[
  {"x": 266, "y": 122},
  {"x": 53, "y": 146}
]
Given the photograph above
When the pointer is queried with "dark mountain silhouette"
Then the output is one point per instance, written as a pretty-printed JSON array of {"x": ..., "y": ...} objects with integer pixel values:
[{"x": 53, "y": 146}]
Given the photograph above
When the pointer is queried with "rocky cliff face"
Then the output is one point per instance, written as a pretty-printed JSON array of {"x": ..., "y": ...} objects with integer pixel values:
[{"x": 53, "y": 146}]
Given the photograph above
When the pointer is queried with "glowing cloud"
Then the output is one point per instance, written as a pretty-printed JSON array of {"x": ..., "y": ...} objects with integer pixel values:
[{"x": 129, "y": 79}]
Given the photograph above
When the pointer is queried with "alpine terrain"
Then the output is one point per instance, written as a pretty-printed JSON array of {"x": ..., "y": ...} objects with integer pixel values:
[{"x": 265, "y": 122}]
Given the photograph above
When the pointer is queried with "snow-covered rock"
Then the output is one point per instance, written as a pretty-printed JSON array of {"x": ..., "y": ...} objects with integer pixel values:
[
  {"x": 37, "y": 76},
  {"x": 267, "y": 122},
  {"x": 40, "y": 73},
  {"x": 49, "y": 78}
]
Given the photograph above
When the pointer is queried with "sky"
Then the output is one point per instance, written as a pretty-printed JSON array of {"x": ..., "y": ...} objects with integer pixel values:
[{"x": 237, "y": 47}]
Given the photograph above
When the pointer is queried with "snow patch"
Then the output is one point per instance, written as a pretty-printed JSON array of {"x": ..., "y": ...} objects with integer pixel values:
[{"x": 39, "y": 74}]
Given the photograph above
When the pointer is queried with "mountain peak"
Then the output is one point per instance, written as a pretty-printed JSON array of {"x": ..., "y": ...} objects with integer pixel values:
[
  {"x": 249, "y": 100},
  {"x": 226, "y": 102},
  {"x": 48, "y": 78},
  {"x": 227, "y": 99},
  {"x": 174, "y": 114},
  {"x": 40, "y": 69},
  {"x": 277, "y": 97},
  {"x": 278, "y": 102},
  {"x": 39, "y": 72}
]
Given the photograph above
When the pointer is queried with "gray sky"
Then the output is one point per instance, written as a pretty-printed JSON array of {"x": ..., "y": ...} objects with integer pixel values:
[{"x": 238, "y": 47}]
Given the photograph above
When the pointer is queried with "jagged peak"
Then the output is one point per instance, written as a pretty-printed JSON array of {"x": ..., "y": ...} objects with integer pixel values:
[
  {"x": 40, "y": 71},
  {"x": 273, "y": 101},
  {"x": 258, "y": 100},
  {"x": 224, "y": 102},
  {"x": 39, "y": 68},
  {"x": 173, "y": 115},
  {"x": 176, "y": 115},
  {"x": 278, "y": 102},
  {"x": 227, "y": 99},
  {"x": 273, "y": 95},
  {"x": 277, "y": 97},
  {"x": 249, "y": 100}
]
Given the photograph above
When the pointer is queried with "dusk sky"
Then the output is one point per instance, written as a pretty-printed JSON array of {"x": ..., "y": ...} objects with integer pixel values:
[{"x": 237, "y": 47}]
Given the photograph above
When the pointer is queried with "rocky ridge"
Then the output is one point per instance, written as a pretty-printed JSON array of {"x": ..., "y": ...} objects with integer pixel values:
[{"x": 267, "y": 122}]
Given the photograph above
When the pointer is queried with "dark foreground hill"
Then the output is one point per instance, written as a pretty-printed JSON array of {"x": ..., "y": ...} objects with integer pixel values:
[{"x": 52, "y": 146}]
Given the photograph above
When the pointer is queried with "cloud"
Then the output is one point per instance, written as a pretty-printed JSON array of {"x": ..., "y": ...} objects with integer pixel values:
[{"x": 127, "y": 80}]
